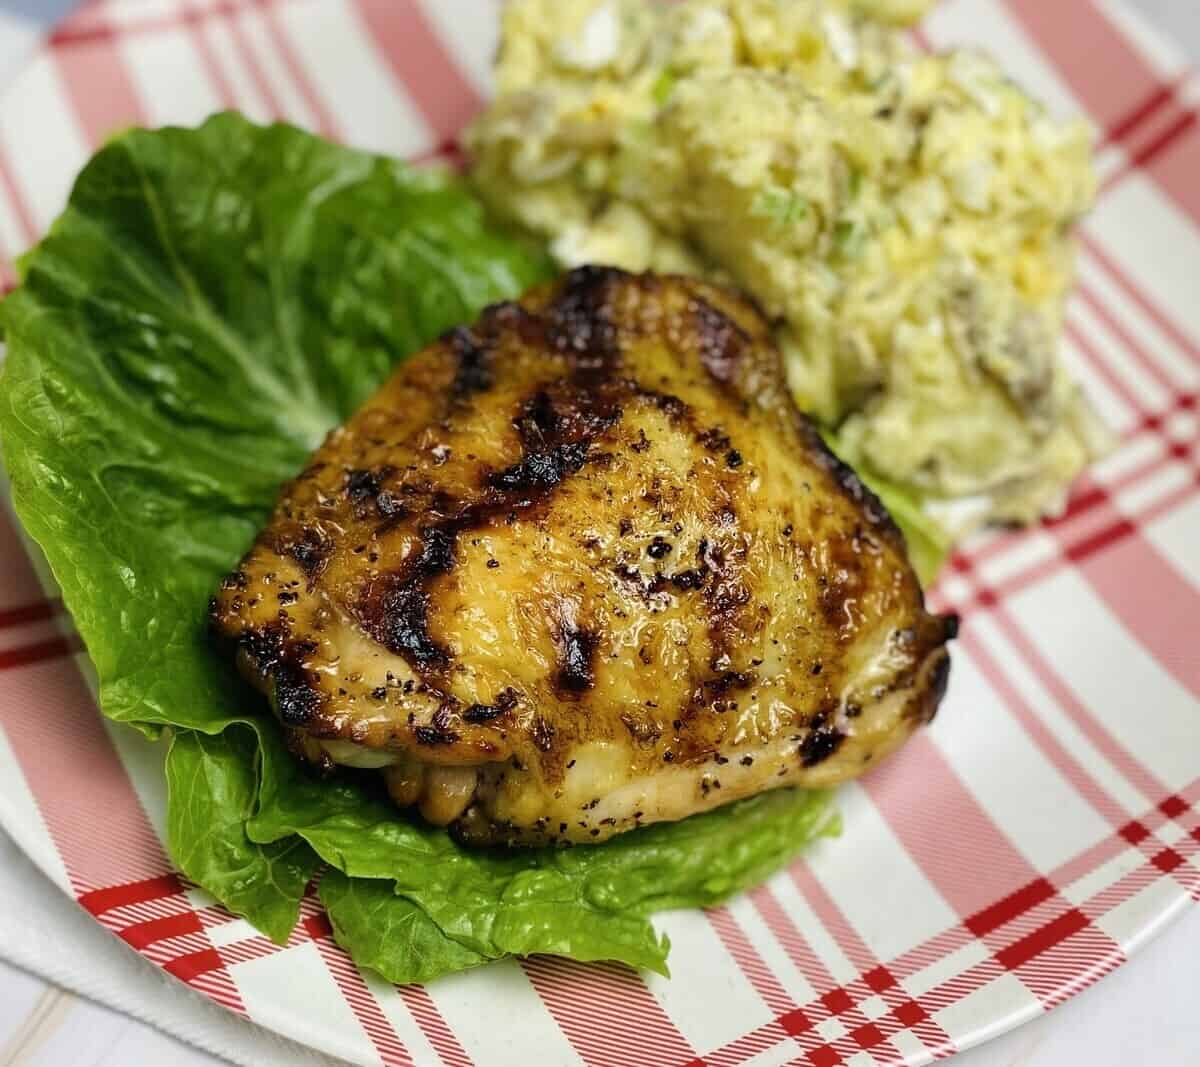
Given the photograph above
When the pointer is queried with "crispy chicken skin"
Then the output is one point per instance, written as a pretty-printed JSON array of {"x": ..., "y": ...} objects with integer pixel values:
[{"x": 583, "y": 567}]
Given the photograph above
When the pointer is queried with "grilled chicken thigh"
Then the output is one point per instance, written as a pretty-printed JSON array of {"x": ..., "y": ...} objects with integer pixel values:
[{"x": 583, "y": 567}]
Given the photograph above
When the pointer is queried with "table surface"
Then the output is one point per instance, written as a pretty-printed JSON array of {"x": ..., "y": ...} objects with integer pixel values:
[{"x": 1144, "y": 1012}]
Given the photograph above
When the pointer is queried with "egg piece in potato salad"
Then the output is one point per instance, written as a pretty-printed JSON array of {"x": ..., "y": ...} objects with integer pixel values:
[{"x": 904, "y": 219}]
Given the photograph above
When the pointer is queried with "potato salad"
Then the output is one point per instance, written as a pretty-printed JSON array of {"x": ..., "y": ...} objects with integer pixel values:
[{"x": 903, "y": 219}]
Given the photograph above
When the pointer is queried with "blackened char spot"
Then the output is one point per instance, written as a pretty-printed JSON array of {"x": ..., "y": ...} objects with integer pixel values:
[
  {"x": 689, "y": 579},
  {"x": 510, "y": 317},
  {"x": 537, "y": 421},
  {"x": 362, "y": 484},
  {"x": 576, "y": 647},
  {"x": 580, "y": 321},
  {"x": 264, "y": 648},
  {"x": 541, "y": 470},
  {"x": 821, "y": 742},
  {"x": 365, "y": 487},
  {"x": 296, "y": 701},
  {"x": 311, "y": 549},
  {"x": 434, "y": 735},
  {"x": 728, "y": 680},
  {"x": 721, "y": 340},
  {"x": 477, "y": 713},
  {"x": 389, "y": 507},
  {"x": 557, "y": 433},
  {"x": 474, "y": 373},
  {"x": 670, "y": 405}
]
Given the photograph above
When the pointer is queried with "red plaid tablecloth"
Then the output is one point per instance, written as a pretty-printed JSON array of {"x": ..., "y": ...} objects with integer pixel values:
[{"x": 1010, "y": 856}]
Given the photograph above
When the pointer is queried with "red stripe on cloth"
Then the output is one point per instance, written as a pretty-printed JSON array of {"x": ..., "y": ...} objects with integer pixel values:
[
  {"x": 1180, "y": 337},
  {"x": 422, "y": 1008},
  {"x": 422, "y": 64},
  {"x": 1100, "y": 64},
  {"x": 1161, "y": 606},
  {"x": 97, "y": 83},
  {"x": 749, "y": 961},
  {"x": 25, "y": 655},
  {"x": 98, "y": 827},
  {"x": 1116, "y": 753},
  {"x": 1072, "y": 771},
  {"x": 98, "y": 901},
  {"x": 1012, "y": 906},
  {"x": 318, "y": 926},
  {"x": 874, "y": 978},
  {"x": 193, "y": 20},
  {"x": 1129, "y": 343},
  {"x": 1044, "y": 938},
  {"x": 1102, "y": 367},
  {"x": 606, "y": 1012},
  {"x": 326, "y": 124},
  {"x": 189, "y": 967},
  {"x": 954, "y": 841},
  {"x": 254, "y": 68},
  {"x": 361, "y": 1001},
  {"x": 19, "y": 586},
  {"x": 1173, "y": 161},
  {"x": 141, "y": 935},
  {"x": 39, "y": 611},
  {"x": 1162, "y": 95}
]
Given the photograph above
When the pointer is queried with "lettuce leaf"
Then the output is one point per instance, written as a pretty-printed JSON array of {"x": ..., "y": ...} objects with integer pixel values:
[{"x": 210, "y": 304}]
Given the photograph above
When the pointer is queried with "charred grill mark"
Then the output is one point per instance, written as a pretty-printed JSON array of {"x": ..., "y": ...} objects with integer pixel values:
[
  {"x": 821, "y": 742},
  {"x": 540, "y": 471},
  {"x": 556, "y": 435},
  {"x": 538, "y": 421},
  {"x": 478, "y": 713},
  {"x": 724, "y": 590},
  {"x": 474, "y": 371},
  {"x": 580, "y": 322},
  {"x": 432, "y": 735},
  {"x": 848, "y": 482},
  {"x": 730, "y": 680},
  {"x": 395, "y": 608},
  {"x": 362, "y": 485},
  {"x": 676, "y": 410},
  {"x": 264, "y": 648},
  {"x": 311, "y": 550},
  {"x": 576, "y": 647},
  {"x": 438, "y": 731},
  {"x": 296, "y": 700},
  {"x": 510, "y": 317},
  {"x": 364, "y": 488},
  {"x": 720, "y": 340}
]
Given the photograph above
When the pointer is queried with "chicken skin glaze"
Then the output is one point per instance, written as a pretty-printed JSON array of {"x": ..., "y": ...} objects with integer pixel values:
[{"x": 583, "y": 567}]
